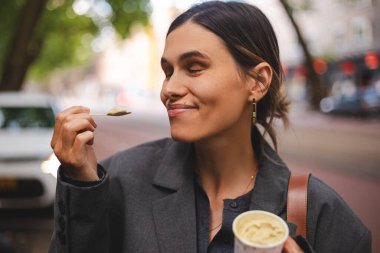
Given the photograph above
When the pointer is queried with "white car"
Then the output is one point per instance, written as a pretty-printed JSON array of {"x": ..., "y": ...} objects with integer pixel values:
[{"x": 28, "y": 168}]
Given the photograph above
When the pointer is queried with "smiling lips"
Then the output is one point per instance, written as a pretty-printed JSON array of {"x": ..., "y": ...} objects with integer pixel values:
[{"x": 178, "y": 109}]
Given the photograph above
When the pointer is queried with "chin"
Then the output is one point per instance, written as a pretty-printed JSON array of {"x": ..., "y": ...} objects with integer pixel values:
[{"x": 183, "y": 136}]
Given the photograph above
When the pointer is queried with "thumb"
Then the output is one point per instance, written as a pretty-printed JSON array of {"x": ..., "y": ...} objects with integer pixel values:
[{"x": 290, "y": 246}]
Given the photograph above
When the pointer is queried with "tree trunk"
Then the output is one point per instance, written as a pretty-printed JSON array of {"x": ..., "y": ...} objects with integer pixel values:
[
  {"x": 23, "y": 48},
  {"x": 317, "y": 91}
]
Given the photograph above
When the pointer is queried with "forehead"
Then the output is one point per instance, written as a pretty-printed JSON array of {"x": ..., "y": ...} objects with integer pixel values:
[{"x": 193, "y": 37}]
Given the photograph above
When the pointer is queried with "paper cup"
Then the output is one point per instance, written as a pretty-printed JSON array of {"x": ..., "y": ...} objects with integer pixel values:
[{"x": 259, "y": 232}]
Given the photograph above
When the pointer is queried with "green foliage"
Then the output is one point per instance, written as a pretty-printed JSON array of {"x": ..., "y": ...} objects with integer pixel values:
[
  {"x": 66, "y": 36},
  {"x": 126, "y": 12},
  {"x": 8, "y": 20},
  {"x": 63, "y": 34},
  {"x": 301, "y": 5}
]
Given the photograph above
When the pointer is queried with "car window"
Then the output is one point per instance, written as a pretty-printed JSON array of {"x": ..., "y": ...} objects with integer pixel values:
[{"x": 26, "y": 117}]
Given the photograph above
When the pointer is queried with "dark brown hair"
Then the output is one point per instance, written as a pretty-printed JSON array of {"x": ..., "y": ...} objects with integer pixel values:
[{"x": 250, "y": 39}]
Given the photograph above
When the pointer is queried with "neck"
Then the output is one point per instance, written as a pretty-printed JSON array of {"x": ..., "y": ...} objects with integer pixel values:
[{"x": 226, "y": 164}]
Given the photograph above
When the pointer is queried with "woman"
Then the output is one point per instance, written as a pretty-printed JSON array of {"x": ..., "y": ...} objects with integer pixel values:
[{"x": 182, "y": 194}]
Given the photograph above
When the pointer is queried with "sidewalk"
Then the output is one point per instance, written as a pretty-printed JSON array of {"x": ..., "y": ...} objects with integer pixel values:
[{"x": 344, "y": 145}]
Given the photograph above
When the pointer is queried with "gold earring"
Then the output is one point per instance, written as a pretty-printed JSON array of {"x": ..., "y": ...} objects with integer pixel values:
[{"x": 254, "y": 111}]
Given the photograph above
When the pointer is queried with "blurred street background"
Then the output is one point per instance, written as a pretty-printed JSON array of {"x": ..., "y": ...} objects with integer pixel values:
[{"x": 102, "y": 53}]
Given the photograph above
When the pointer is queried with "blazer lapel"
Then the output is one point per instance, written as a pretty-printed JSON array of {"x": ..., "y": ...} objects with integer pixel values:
[{"x": 175, "y": 215}]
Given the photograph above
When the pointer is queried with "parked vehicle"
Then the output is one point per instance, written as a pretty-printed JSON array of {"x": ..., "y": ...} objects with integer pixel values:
[
  {"x": 27, "y": 166},
  {"x": 354, "y": 101}
]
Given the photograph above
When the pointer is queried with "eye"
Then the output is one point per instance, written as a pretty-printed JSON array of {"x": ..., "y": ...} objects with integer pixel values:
[
  {"x": 195, "y": 68},
  {"x": 168, "y": 72}
]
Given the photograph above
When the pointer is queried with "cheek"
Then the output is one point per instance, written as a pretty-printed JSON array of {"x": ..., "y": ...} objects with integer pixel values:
[
  {"x": 229, "y": 100},
  {"x": 230, "y": 105},
  {"x": 221, "y": 92},
  {"x": 221, "y": 111}
]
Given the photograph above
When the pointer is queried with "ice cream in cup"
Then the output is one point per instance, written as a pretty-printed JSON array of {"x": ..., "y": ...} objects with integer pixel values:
[{"x": 259, "y": 232}]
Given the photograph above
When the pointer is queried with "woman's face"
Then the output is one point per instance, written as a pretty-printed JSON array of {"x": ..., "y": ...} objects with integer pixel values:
[{"x": 203, "y": 91}]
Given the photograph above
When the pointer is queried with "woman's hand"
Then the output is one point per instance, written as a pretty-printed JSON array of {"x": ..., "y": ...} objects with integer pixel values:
[
  {"x": 291, "y": 246},
  {"x": 72, "y": 143}
]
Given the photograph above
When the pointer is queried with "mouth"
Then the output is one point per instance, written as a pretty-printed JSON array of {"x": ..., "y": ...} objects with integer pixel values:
[{"x": 178, "y": 109}]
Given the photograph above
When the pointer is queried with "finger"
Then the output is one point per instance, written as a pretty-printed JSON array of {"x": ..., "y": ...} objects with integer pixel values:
[
  {"x": 83, "y": 139},
  {"x": 71, "y": 124},
  {"x": 75, "y": 156},
  {"x": 80, "y": 146},
  {"x": 286, "y": 248},
  {"x": 86, "y": 116},
  {"x": 74, "y": 124},
  {"x": 290, "y": 246},
  {"x": 71, "y": 129},
  {"x": 60, "y": 119}
]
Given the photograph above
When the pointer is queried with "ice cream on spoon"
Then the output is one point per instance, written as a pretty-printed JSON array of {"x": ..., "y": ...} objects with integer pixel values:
[{"x": 118, "y": 111}]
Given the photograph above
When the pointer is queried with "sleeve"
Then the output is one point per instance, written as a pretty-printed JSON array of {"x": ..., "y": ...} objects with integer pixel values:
[
  {"x": 81, "y": 216},
  {"x": 364, "y": 244},
  {"x": 332, "y": 225},
  {"x": 65, "y": 178}
]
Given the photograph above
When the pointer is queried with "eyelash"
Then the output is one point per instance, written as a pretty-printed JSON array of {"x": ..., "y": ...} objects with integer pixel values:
[
  {"x": 194, "y": 71},
  {"x": 168, "y": 73}
]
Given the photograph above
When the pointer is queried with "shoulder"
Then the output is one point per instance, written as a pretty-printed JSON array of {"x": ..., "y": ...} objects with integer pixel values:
[
  {"x": 331, "y": 220},
  {"x": 323, "y": 194},
  {"x": 324, "y": 198}
]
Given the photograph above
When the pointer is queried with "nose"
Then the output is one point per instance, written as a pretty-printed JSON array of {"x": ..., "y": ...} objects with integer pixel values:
[{"x": 173, "y": 88}]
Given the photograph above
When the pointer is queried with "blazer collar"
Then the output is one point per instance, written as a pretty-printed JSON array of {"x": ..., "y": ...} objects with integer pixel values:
[
  {"x": 271, "y": 187},
  {"x": 176, "y": 166}
]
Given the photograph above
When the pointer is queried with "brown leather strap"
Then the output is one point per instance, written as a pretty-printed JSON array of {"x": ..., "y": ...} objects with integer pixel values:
[{"x": 297, "y": 202}]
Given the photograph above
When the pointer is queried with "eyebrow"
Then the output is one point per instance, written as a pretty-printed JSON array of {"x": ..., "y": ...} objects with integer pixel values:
[{"x": 187, "y": 55}]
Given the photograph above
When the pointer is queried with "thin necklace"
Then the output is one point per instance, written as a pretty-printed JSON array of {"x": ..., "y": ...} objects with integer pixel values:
[{"x": 244, "y": 192}]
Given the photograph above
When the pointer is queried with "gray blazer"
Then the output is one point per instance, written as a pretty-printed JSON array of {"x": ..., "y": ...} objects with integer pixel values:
[{"x": 145, "y": 203}]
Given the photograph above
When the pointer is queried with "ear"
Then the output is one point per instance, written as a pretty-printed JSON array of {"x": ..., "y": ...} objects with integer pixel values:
[{"x": 260, "y": 78}]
